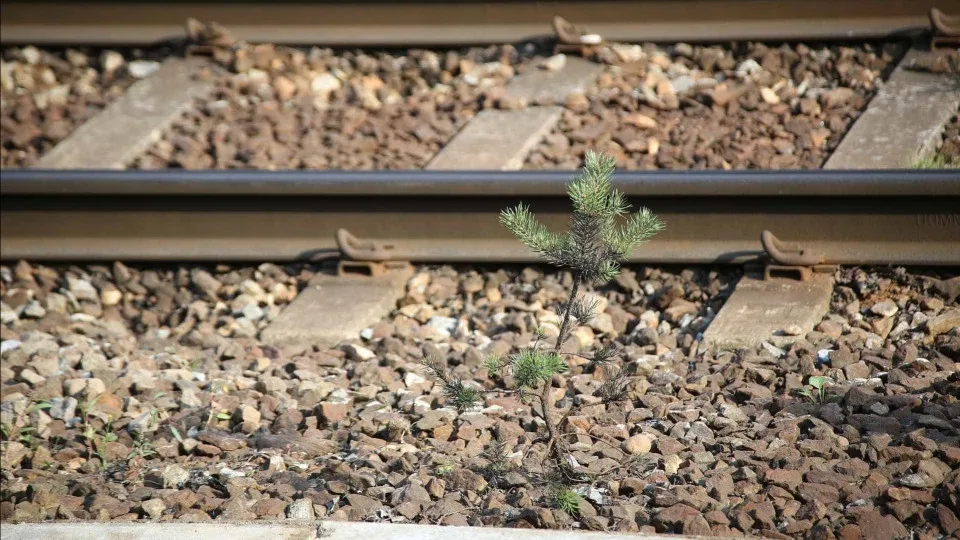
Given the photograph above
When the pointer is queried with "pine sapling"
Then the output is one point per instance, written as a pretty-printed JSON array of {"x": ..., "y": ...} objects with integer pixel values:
[{"x": 601, "y": 236}]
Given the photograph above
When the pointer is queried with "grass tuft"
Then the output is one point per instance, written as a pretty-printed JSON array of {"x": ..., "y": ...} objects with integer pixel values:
[
  {"x": 567, "y": 501},
  {"x": 938, "y": 161}
]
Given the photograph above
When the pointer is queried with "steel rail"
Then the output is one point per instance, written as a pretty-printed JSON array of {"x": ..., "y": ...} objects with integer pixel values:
[
  {"x": 431, "y": 23},
  {"x": 922, "y": 182},
  {"x": 845, "y": 217}
]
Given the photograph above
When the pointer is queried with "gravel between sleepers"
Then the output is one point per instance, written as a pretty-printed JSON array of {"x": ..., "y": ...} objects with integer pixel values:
[
  {"x": 279, "y": 107},
  {"x": 48, "y": 93},
  {"x": 750, "y": 105},
  {"x": 737, "y": 106},
  {"x": 211, "y": 424},
  {"x": 948, "y": 151}
]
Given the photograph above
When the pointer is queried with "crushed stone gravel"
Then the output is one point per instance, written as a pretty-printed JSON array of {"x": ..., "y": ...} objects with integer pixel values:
[
  {"x": 749, "y": 105},
  {"x": 278, "y": 107},
  {"x": 48, "y": 93},
  {"x": 949, "y": 149},
  {"x": 680, "y": 106},
  {"x": 142, "y": 393}
]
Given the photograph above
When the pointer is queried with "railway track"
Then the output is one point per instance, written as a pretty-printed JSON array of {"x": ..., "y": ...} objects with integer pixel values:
[
  {"x": 426, "y": 22},
  {"x": 239, "y": 340},
  {"x": 837, "y": 217}
]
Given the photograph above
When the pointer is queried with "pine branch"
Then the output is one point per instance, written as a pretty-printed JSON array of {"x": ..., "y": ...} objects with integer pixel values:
[
  {"x": 584, "y": 309},
  {"x": 640, "y": 227},
  {"x": 459, "y": 394},
  {"x": 532, "y": 367},
  {"x": 522, "y": 223}
]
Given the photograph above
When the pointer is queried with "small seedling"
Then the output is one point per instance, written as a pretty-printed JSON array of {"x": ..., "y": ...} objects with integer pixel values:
[
  {"x": 176, "y": 434},
  {"x": 101, "y": 447},
  {"x": 567, "y": 501},
  {"x": 26, "y": 436},
  {"x": 816, "y": 388},
  {"x": 443, "y": 469},
  {"x": 498, "y": 461},
  {"x": 601, "y": 236},
  {"x": 39, "y": 406},
  {"x": 141, "y": 447}
]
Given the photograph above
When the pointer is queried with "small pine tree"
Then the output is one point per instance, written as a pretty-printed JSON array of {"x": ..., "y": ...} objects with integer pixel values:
[{"x": 592, "y": 250}]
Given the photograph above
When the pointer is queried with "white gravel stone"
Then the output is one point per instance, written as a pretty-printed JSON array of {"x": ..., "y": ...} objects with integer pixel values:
[
  {"x": 174, "y": 476},
  {"x": 252, "y": 312},
  {"x": 325, "y": 83},
  {"x": 30, "y": 376},
  {"x": 111, "y": 296},
  {"x": 555, "y": 62},
  {"x": 773, "y": 349},
  {"x": 682, "y": 84},
  {"x": 748, "y": 67},
  {"x": 672, "y": 464},
  {"x": 30, "y": 55},
  {"x": 411, "y": 379},
  {"x": 301, "y": 509},
  {"x": 7, "y": 314},
  {"x": 226, "y": 473},
  {"x": 245, "y": 327},
  {"x": 9, "y": 345},
  {"x": 110, "y": 61},
  {"x": 34, "y": 310},
  {"x": 445, "y": 325},
  {"x": 141, "y": 69},
  {"x": 359, "y": 353},
  {"x": 82, "y": 289},
  {"x": 887, "y": 308},
  {"x": 74, "y": 387},
  {"x": 153, "y": 507}
]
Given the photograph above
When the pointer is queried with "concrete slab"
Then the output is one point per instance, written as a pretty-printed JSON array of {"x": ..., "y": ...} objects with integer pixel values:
[
  {"x": 497, "y": 140},
  {"x": 128, "y": 126},
  {"x": 501, "y": 140},
  {"x": 902, "y": 123},
  {"x": 329, "y": 531},
  {"x": 333, "y": 308},
  {"x": 758, "y": 310},
  {"x": 573, "y": 78}
]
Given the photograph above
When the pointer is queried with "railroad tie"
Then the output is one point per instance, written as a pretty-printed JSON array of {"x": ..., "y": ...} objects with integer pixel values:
[
  {"x": 777, "y": 311},
  {"x": 334, "y": 308},
  {"x": 128, "y": 126},
  {"x": 903, "y": 123},
  {"x": 501, "y": 139}
]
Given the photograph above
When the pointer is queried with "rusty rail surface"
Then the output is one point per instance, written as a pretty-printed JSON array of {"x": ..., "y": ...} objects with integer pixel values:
[
  {"x": 432, "y": 23},
  {"x": 837, "y": 217}
]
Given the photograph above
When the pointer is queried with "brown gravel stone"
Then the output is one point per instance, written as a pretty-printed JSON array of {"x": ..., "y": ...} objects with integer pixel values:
[
  {"x": 876, "y": 526},
  {"x": 784, "y": 478}
]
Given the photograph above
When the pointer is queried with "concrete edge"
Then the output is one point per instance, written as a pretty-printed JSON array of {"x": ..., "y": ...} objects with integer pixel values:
[{"x": 298, "y": 530}]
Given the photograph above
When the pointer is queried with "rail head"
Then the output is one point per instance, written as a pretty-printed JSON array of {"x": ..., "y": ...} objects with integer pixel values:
[{"x": 172, "y": 182}]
